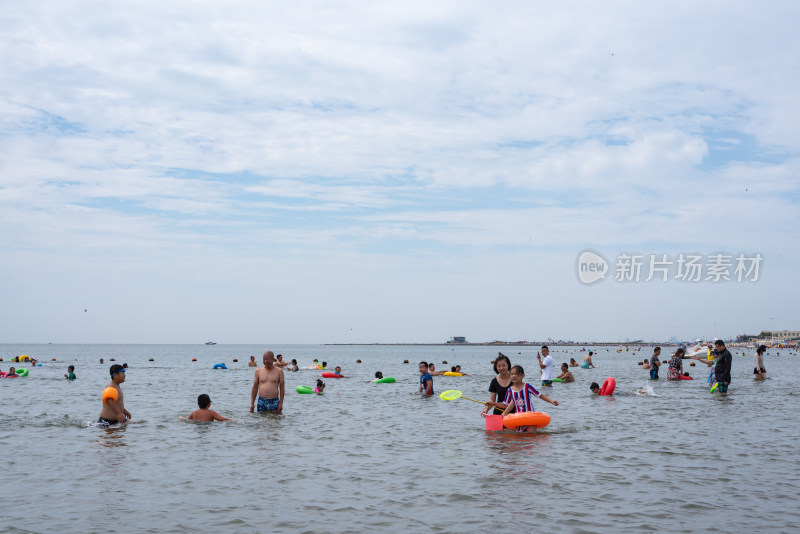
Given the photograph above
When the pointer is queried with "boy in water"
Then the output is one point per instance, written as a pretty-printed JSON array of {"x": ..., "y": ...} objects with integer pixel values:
[
  {"x": 425, "y": 379},
  {"x": 268, "y": 384},
  {"x": 338, "y": 371},
  {"x": 114, "y": 411},
  {"x": 203, "y": 413},
  {"x": 70, "y": 373},
  {"x": 595, "y": 387}
]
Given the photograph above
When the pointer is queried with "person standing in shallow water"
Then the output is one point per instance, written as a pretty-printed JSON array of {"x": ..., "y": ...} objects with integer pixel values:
[
  {"x": 759, "y": 372},
  {"x": 655, "y": 363},
  {"x": 114, "y": 411},
  {"x": 269, "y": 386},
  {"x": 722, "y": 368}
]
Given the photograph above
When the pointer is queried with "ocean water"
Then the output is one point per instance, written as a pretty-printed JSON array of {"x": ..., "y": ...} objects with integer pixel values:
[{"x": 379, "y": 457}]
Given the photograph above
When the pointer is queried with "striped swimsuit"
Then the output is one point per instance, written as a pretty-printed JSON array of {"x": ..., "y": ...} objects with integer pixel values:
[{"x": 522, "y": 400}]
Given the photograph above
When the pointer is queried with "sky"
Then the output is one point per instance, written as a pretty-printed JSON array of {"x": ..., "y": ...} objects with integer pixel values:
[{"x": 367, "y": 172}]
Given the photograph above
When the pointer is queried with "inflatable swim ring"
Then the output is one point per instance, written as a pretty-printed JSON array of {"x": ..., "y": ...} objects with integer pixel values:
[
  {"x": 586, "y": 365},
  {"x": 3, "y": 374},
  {"x": 558, "y": 380},
  {"x": 304, "y": 390},
  {"x": 219, "y": 366},
  {"x": 685, "y": 377},
  {"x": 608, "y": 386},
  {"x": 385, "y": 380},
  {"x": 331, "y": 375},
  {"x": 22, "y": 372},
  {"x": 537, "y": 419},
  {"x": 452, "y": 373},
  {"x": 110, "y": 393},
  {"x": 24, "y": 358}
]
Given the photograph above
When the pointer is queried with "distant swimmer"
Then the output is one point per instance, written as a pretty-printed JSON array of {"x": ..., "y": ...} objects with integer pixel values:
[
  {"x": 252, "y": 362},
  {"x": 203, "y": 413},
  {"x": 587, "y": 361},
  {"x": 433, "y": 372},
  {"x": 269, "y": 386},
  {"x": 70, "y": 373},
  {"x": 113, "y": 410}
]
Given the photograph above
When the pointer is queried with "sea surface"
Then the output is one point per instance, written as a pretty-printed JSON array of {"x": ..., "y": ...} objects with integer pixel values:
[{"x": 379, "y": 457}]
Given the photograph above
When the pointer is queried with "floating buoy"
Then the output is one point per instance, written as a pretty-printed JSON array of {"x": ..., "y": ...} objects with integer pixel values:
[
  {"x": 444, "y": 361},
  {"x": 112, "y": 360},
  {"x": 194, "y": 359},
  {"x": 52, "y": 359},
  {"x": 235, "y": 360},
  {"x": 150, "y": 360},
  {"x": 691, "y": 364},
  {"x": 405, "y": 361},
  {"x": 358, "y": 361}
]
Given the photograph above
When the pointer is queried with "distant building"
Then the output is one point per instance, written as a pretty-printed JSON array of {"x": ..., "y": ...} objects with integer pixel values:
[
  {"x": 457, "y": 340},
  {"x": 785, "y": 335}
]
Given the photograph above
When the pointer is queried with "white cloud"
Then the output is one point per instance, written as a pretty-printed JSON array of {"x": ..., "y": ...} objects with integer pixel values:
[{"x": 360, "y": 139}]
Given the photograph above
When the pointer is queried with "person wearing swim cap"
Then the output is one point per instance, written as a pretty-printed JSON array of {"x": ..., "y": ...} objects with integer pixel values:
[{"x": 114, "y": 411}]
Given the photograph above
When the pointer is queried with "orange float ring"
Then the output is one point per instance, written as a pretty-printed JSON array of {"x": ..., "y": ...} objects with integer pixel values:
[{"x": 537, "y": 419}]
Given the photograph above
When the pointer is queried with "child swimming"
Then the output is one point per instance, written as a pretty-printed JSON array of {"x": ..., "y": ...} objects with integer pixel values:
[{"x": 320, "y": 387}]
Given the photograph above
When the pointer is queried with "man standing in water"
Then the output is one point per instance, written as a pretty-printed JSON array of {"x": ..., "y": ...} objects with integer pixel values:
[
  {"x": 546, "y": 365},
  {"x": 722, "y": 369},
  {"x": 268, "y": 384}
]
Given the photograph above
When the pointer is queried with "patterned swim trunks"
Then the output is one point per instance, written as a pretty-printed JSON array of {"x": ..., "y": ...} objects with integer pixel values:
[{"x": 268, "y": 405}]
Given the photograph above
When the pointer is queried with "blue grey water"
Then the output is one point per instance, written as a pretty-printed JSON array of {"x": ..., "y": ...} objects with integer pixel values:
[{"x": 380, "y": 457}]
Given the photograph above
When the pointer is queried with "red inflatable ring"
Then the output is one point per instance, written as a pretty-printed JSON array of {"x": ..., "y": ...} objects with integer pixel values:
[
  {"x": 331, "y": 375},
  {"x": 608, "y": 386}
]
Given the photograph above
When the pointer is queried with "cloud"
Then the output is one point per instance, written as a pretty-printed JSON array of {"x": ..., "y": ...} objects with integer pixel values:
[{"x": 367, "y": 140}]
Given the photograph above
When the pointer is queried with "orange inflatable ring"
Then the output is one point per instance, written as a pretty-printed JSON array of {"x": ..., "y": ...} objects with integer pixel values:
[
  {"x": 331, "y": 375},
  {"x": 608, "y": 386},
  {"x": 537, "y": 419},
  {"x": 110, "y": 393}
]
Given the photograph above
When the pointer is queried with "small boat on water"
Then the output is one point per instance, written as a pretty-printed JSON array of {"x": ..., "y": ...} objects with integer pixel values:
[{"x": 210, "y": 343}]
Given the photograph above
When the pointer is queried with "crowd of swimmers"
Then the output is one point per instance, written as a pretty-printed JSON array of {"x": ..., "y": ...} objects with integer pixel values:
[
  {"x": 508, "y": 391},
  {"x": 719, "y": 358}
]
